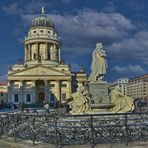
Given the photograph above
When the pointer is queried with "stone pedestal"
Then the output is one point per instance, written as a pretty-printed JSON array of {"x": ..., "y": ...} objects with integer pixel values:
[{"x": 99, "y": 92}]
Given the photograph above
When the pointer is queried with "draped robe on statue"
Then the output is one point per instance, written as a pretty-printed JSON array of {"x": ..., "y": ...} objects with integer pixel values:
[{"x": 99, "y": 63}]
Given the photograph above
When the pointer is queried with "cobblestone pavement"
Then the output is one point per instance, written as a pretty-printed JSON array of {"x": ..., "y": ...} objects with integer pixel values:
[{"x": 9, "y": 143}]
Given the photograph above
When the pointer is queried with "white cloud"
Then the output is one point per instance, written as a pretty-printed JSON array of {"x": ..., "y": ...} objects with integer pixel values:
[
  {"x": 80, "y": 32},
  {"x": 130, "y": 69},
  {"x": 135, "y": 47},
  {"x": 94, "y": 22}
]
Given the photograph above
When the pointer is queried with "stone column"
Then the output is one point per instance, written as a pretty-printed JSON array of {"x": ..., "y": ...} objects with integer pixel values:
[
  {"x": 9, "y": 92},
  {"x": 54, "y": 52},
  {"x": 26, "y": 53},
  {"x": 29, "y": 52},
  {"x": 58, "y": 91},
  {"x": 46, "y": 91},
  {"x": 37, "y": 50},
  {"x": 46, "y": 51},
  {"x": 59, "y": 54},
  {"x": 21, "y": 93},
  {"x": 34, "y": 97},
  {"x": 69, "y": 89}
]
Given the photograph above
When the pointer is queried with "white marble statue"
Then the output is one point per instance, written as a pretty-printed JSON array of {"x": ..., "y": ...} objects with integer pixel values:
[
  {"x": 99, "y": 64},
  {"x": 122, "y": 103},
  {"x": 81, "y": 101}
]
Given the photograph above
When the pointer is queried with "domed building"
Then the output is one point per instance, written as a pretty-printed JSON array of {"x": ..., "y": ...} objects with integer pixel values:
[{"x": 43, "y": 76}]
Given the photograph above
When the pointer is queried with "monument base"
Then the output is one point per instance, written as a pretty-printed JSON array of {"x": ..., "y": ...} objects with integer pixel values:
[
  {"x": 99, "y": 92},
  {"x": 103, "y": 108}
]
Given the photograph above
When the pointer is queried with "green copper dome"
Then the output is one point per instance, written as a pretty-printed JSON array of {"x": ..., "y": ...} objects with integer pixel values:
[{"x": 42, "y": 20}]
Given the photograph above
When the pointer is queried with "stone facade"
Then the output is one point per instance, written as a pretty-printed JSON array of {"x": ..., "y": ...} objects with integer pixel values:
[
  {"x": 43, "y": 76},
  {"x": 138, "y": 87},
  {"x": 3, "y": 92},
  {"x": 122, "y": 83}
]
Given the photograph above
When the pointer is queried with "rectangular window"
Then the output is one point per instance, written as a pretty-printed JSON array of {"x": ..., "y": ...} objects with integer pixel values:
[
  {"x": 51, "y": 85},
  {"x": 63, "y": 85},
  {"x": 16, "y": 98},
  {"x": 28, "y": 97},
  {"x": 48, "y": 56},
  {"x": 28, "y": 85},
  {"x": 16, "y": 85}
]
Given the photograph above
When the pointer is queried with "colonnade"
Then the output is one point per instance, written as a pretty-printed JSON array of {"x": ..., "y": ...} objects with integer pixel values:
[
  {"x": 47, "y": 90},
  {"x": 51, "y": 52}
]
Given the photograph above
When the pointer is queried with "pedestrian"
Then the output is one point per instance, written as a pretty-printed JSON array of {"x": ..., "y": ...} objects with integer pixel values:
[{"x": 46, "y": 106}]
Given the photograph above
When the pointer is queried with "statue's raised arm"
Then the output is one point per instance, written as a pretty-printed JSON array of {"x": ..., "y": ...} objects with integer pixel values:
[{"x": 99, "y": 64}]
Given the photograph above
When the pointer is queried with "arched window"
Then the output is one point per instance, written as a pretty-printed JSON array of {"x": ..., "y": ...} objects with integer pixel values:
[{"x": 16, "y": 98}]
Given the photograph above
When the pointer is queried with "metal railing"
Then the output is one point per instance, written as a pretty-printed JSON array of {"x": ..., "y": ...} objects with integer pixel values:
[{"x": 76, "y": 129}]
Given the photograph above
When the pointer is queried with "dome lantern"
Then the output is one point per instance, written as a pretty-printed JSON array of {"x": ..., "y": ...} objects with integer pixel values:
[{"x": 42, "y": 20}]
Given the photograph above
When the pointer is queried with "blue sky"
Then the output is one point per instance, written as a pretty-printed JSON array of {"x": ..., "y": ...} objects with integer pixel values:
[{"x": 121, "y": 25}]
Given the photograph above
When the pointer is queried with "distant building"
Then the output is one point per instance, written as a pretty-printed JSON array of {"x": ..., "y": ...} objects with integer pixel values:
[
  {"x": 138, "y": 87},
  {"x": 122, "y": 83},
  {"x": 3, "y": 92}
]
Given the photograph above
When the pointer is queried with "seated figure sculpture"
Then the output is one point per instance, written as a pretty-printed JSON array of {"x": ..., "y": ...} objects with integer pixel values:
[
  {"x": 122, "y": 103},
  {"x": 80, "y": 103}
]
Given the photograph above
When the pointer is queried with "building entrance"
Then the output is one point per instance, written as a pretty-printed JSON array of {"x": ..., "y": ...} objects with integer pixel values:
[
  {"x": 41, "y": 97},
  {"x": 40, "y": 91}
]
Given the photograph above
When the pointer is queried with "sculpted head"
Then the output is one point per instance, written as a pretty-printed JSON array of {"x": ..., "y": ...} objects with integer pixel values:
[{"x": 99, "y": 45}]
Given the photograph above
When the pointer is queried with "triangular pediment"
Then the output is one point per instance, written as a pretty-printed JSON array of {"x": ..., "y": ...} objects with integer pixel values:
[{"x": 39, "y": 71}]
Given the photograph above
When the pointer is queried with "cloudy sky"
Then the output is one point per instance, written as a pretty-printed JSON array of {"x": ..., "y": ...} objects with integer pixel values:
[{"x": 121, "y": 25}]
